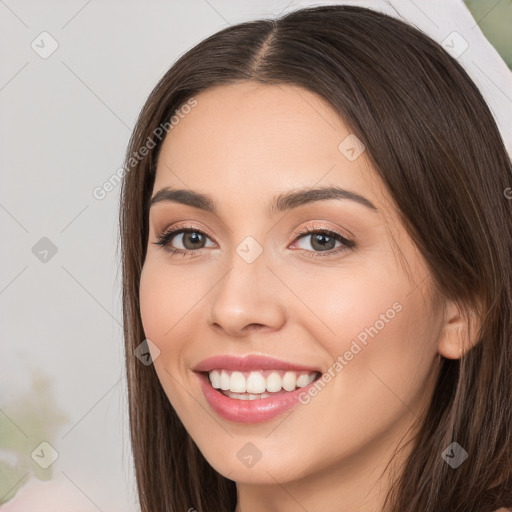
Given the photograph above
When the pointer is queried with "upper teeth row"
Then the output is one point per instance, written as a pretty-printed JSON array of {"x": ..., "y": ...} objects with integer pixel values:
[{"x": 256, "y": 382}]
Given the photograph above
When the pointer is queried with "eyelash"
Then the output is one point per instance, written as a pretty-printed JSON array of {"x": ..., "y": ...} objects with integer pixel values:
[{"x": 167, "y": 236}]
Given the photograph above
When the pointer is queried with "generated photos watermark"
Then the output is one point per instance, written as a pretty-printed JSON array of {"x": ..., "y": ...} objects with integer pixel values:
[
  {"x": 355, "y": 348},
  {"x": 159, "y": 133}
]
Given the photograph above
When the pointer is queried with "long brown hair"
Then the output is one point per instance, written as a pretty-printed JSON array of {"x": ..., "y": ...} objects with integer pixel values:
[{"x": 434, "y": 143}]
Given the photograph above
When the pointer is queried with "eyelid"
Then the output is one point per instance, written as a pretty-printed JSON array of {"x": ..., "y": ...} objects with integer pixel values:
[
  {"x": 322, "y": 227},
  {"x": 184, "y": 226}
]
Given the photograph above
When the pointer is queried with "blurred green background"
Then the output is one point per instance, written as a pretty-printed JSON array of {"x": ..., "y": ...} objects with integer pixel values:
[{"x": 495, "y": 20}]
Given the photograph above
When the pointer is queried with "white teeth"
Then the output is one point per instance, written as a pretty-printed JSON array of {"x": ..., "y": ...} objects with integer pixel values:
[
  {"x": 289, "y": 381},
  {"x": 256, "y": 383},
  {"x": 304, "y": 379},
  {"x": 215, "y": 379},
  {"x": 246, "y": 396},
  {"x": 274, "y": 382},
  {"x": 237, "y": 383},
  {"x": 252, "y": 385},
  {"x": 224, "y": 381}
]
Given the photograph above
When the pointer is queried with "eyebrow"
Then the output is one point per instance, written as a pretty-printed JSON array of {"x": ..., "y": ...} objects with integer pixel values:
[{"x": 281, "y": 203}]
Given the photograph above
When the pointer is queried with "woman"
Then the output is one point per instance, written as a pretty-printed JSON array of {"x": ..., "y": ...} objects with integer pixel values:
[{"x": 317, "y": 259}]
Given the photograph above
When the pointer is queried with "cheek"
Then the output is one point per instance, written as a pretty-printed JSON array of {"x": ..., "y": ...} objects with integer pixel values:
[
  {"x": 160, "y": 309},
  {"x": 153, "y": 302},
  {"x": 166, "y": 297},
  {"x": 161, "y": 305},
  {"x": 382, "y": 352},
  {"x": 351, "y": 304},
  {"x": 373, "y": 321}
]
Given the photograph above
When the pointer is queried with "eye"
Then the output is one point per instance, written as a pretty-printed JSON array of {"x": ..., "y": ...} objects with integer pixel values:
[
  {"x": 315, "y": 242},
  {"x": 189, "y": 238},
  {"x": 322, "y": 242}
]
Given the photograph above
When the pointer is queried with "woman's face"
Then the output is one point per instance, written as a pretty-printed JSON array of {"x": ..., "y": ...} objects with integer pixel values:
[{"x": 249, "y": 280}]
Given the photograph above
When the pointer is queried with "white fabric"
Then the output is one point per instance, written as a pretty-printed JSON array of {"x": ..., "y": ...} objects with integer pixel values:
[{"x": 439, "y": 19}]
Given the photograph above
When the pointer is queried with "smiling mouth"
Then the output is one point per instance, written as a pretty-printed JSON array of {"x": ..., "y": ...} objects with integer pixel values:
[{"x": 258, "y": 384}]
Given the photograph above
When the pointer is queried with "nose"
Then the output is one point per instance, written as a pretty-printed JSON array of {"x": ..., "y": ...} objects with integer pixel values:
[{"x": 248, "y": 298}]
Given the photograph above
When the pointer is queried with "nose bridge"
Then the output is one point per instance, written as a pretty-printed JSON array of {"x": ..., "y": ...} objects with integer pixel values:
[{"x": 248, "y": 293}]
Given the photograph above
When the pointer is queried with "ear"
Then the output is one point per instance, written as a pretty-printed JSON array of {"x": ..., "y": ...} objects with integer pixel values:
[{"x": 459, "y": 332}]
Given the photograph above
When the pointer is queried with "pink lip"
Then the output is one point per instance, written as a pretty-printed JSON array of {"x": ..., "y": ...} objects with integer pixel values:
[
  {"x": 249, "y": 363},
  {"x": 249, "y": 411}
]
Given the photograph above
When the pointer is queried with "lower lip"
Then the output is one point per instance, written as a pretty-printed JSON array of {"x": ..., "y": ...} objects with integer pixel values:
[{"x": 249, "y": 411}]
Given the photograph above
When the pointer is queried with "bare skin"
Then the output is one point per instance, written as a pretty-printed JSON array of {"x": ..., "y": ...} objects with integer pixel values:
[{"x": 244, "y": 144}]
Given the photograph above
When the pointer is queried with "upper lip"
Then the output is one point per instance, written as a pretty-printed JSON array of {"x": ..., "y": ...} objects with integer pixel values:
[{"x": 248, "y": 363}]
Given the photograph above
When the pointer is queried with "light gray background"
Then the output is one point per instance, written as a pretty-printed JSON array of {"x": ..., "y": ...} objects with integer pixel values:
[{"x": 65, "y": 122}]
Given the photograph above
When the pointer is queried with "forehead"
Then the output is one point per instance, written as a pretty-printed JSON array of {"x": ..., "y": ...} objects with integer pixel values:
[{"x": 256, "y": 140}]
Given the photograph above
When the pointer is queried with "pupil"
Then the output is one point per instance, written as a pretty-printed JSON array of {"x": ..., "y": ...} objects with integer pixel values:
[
  {"x": 194, "y": 239},
  {"x": 324, "y": 241}
]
